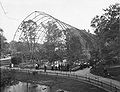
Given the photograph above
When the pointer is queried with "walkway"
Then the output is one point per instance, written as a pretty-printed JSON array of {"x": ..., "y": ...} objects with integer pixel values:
[
  {"x": 105, "y": 83},
  {"x": 86, "y": 73}
]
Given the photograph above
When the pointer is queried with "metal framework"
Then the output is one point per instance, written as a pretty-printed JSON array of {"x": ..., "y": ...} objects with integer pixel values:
[{"x": 37, "y": 21}]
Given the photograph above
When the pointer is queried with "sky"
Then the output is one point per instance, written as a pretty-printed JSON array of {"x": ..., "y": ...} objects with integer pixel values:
[{"x": 77, "y": 13}]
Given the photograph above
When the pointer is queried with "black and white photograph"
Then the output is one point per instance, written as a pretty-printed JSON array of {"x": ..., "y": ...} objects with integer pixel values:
[{"x": 59, "y": 45}]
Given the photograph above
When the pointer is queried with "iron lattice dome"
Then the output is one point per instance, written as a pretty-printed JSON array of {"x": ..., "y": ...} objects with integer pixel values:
[{"x": 36, "y": 26}]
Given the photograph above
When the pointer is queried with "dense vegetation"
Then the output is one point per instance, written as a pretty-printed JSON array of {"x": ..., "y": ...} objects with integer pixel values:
[
  {"x": 71, "y": 43},
  {"x": 4, "y": 45},
  {"x": 7, "y": 77},
  {"x": 107, "y": 33},
  {"x": 16, "y": 60}
]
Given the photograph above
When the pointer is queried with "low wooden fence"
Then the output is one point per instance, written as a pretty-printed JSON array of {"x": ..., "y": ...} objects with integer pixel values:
[{"x": 108, "y": 86}]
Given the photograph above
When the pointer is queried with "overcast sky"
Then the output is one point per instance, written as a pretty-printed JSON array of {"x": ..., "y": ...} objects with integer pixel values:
[{"x": 77, "y": 13}]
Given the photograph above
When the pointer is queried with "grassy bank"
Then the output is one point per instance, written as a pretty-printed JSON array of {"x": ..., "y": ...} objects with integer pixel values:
[
  {"x": 6, "y": 77},
  {"x": 113, "y": 71}
]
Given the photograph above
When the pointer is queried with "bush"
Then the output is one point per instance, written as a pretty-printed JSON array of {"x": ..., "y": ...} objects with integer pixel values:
[
  {"x": 6, "y": 77},
  {"x": 16, "y": 60}
]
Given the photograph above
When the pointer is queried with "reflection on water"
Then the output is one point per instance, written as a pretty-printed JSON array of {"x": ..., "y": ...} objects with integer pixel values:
[{"x": 26, "y": 87}]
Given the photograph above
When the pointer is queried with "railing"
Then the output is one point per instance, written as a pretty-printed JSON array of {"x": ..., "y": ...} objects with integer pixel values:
[{"x": 96, "y": 81}]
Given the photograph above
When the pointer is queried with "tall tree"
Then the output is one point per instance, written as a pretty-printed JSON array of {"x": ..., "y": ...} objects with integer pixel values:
[
  {"x": 108, "y": 33},
  {"x": 74, "y": 48},
  {"x": 29, "y": 33},
  {"x": 53, "y": 40},
  {"x": 29, "y": 30},
  {"x": 4, "y": 45}
]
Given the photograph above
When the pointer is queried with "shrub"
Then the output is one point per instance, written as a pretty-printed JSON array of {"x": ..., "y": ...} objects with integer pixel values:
[
  {"x": 16, "y": 60},
  {"x": 6, "y": 77}
]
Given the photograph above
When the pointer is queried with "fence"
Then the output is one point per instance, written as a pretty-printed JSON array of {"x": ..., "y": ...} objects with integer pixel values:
[{"x": 108, "y": 86}]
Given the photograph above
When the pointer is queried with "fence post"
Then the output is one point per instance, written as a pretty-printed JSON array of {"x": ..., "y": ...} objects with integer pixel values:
[
  {"x": 115, "y": 89},
  {"x": 111, "y": 86},
  {"x": 76, "y": 76},
  {"x": 101, "y": 84},
  {"x": 68, "y": 75},
  {"x": 98, "y": 81},
  {"x": 89, "y": 79}
]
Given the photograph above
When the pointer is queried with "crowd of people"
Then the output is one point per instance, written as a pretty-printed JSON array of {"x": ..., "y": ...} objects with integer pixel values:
[{"x": 59, "y": 67}]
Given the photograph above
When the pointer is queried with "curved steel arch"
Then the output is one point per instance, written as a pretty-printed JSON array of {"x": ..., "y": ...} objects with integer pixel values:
[{"x": 41, "y": 19}]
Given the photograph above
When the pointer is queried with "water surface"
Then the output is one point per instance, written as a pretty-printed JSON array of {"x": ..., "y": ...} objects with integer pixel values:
[{"x": 26, "y": 87}]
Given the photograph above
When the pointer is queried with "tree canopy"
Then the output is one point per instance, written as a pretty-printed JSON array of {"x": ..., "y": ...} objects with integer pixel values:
[
  {"x": 108, "y": 33},
  {"x": 4, "y": 45}
]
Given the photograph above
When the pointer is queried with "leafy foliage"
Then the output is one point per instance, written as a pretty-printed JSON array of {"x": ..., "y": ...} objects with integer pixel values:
[
  {"x": 53, "y": 33},
  {"x": 16, "y": 60},
  {"x": 29, "y": 33},
  {"x": 7, "y": 77},
  {"x": 108, "y": 33},
  {"x": 53, "y": 41},
  {"x": 4, "y": 45},
  {"x": 74, "y": 49}
]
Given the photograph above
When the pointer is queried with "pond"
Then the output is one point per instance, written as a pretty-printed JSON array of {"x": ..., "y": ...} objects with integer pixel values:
[
  {"x": 11, "y": 82},
  {"x": 26, "y": 87}
]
